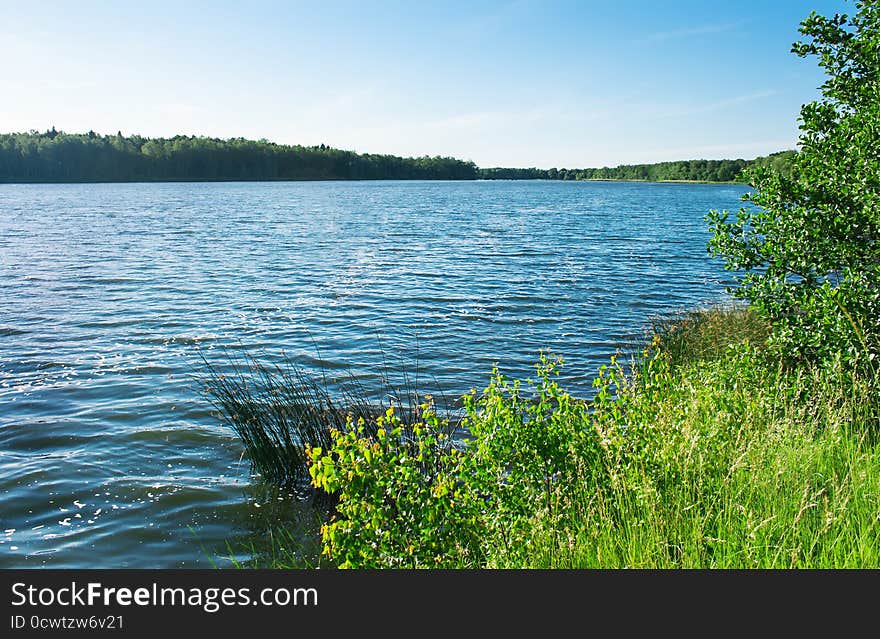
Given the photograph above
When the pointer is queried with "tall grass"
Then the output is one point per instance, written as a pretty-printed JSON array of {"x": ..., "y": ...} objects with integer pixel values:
[
  {"x": 279, "y": 411},
  {"x": 705, "y": 333},
  {"x": 724, "y": 462}
]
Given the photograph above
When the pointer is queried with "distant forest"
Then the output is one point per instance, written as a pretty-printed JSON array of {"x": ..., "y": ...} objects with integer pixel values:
[
  {"x": 55, "y": 156},
  {"x": 682, "y": 170}
]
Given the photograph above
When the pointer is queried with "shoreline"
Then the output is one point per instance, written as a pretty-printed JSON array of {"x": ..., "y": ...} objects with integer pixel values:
[{"x": 273, "y": 180}]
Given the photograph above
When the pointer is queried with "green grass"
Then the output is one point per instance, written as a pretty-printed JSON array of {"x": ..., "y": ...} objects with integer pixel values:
[
  {"x": 706, "y": 333},
  {"x": 726, "y": 461},
  {"x": 742, "y": 473}
]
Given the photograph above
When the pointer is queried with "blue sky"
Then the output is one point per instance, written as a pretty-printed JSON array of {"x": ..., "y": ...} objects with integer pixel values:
[{"x": 523, "y": 83}]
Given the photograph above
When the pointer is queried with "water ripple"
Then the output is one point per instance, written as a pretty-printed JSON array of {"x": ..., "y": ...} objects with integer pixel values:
[{"x": 111, "y": 294}]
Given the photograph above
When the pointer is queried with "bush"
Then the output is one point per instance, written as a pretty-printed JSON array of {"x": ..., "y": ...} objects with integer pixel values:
[
  {"x": 403, "y": 500},
  {"x": 703, "y": 461},
  {"x": 809, "y": 250},
  {"x": 413, "y": 497},
  {"x": 527, "y": 443}
]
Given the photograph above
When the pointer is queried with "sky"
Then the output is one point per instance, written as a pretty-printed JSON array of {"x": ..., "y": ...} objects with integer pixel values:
[{"x": 564, "y": 83}]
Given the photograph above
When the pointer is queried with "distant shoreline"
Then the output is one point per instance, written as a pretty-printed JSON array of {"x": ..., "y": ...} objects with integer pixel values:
[
  {"x": 277, "y": 180},
  {"x": 56, "y": 157},
  {"x": 274, "y": 180}
]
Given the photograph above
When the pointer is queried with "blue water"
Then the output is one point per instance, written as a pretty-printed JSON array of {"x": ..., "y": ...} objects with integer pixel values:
[{"x": 111, "y": 293}]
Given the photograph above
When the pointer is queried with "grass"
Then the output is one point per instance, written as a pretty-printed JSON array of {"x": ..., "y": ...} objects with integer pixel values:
[
  {"x": 743, "y": 466},
  {"x": 706, "y": 333},
  {"x": 707, "y": 453},
  {"x": 279, "y": 411},
  {"x": 732, "y": 462}
]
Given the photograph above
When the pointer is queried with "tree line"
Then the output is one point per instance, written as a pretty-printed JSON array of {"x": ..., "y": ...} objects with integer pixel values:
[
  {"x": 682, "y": 170},
  {"x": 55, "y": 156}
]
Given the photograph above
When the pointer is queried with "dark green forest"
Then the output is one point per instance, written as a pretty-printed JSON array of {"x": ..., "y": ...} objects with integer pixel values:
[
  {"x": 682, "y": 170},
  {"x": 55, "y": 156}
]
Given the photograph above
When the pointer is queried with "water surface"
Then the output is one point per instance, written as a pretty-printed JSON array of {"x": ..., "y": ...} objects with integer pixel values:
[{"x": 109, "y": 293}]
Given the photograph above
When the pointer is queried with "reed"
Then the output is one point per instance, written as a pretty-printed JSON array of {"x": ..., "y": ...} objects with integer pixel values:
[
  {"x": 280, "y": 410},
  {"x": 706, "y": 333}
]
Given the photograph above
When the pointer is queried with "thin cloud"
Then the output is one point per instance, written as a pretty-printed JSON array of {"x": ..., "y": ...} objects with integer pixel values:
[
  {"x": 689, "y": 32},
  {"x": 718, "y": 105}
]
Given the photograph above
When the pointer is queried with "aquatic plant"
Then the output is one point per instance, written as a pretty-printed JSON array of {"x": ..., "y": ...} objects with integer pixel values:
[{"x": 279, "y": 411}]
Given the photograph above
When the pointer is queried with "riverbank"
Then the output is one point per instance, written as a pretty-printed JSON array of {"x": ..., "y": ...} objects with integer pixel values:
[
  {"x": 707, "y": 453},
  {"x": 661, "y": 181}
]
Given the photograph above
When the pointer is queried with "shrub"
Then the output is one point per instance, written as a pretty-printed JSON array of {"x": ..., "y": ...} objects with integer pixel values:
[
  {"x": 527, "y": 442},
  {"x": 809, "y": 248},
  {"x": 403, "y": 500},
  {"x": 413, "y": 497}
]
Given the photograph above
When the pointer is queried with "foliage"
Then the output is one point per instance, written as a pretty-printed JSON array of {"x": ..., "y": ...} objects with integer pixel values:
[
  {"x": 731, "y": 462},
  {"x": 412, "y": 498},
  {"x": 781, "y": 162},
  {"x": 526, "y": 443},
  {"x": 56, "y": 156},
  {"x": 809, "y": 247},
  {"x": 694, "y": 460},
  {"x": 403, "y": 500},
  {"x": 682, "y": 170}
]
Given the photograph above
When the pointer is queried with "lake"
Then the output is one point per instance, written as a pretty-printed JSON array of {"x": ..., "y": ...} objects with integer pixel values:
[{"x": 111, "y": 295}]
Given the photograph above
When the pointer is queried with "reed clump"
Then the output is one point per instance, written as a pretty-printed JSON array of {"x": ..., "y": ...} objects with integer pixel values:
[{"x": 279, "y": 411}]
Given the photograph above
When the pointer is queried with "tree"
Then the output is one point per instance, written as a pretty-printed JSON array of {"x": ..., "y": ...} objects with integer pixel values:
[{"x": 807, "y": 246}]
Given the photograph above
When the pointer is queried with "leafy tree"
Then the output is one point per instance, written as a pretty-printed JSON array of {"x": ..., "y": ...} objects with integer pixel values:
[{"x": 807, "y": 247}]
